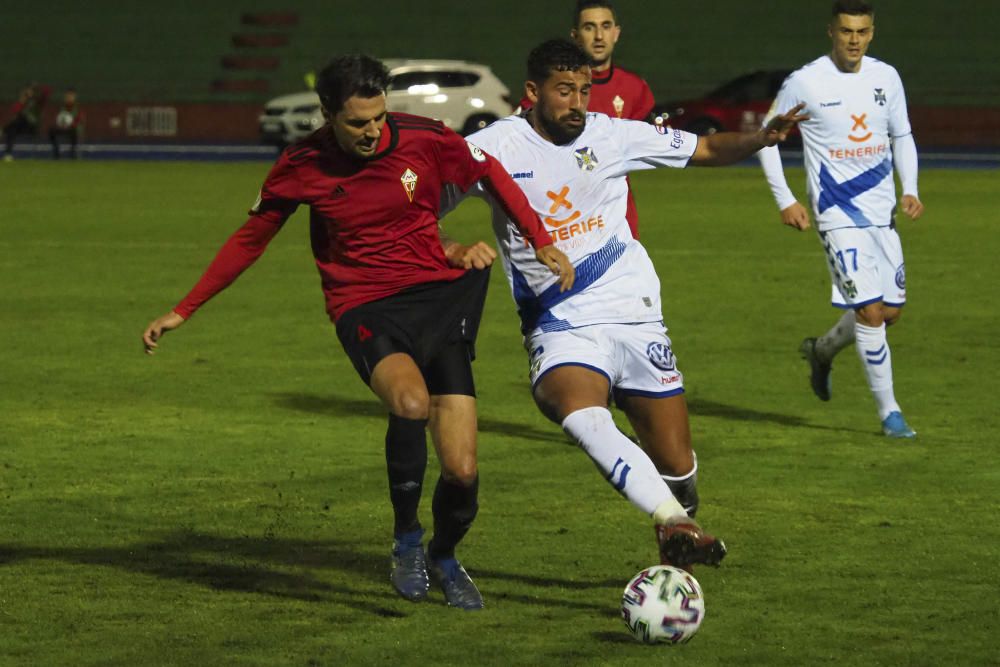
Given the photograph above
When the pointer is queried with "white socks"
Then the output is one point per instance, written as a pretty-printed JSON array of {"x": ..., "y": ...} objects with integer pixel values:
[
  {"x": 623, "y": 463},
  {"x": 837, "y": 338},
  {"x": 873, "y": 348}
]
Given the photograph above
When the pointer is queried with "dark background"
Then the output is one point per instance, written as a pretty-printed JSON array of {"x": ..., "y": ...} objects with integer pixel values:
[{"x": 173, "y": 53}]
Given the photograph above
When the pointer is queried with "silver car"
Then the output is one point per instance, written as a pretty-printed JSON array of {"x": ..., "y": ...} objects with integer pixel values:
[{"x": 464, "y": 96}]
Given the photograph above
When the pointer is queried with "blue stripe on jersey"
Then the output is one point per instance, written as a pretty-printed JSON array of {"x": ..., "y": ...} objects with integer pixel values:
[
  {"x": 832, "y": 193},
  {"x": 534, "y": 309}
]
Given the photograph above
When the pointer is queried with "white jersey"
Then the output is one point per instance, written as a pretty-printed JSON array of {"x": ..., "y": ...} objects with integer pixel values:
[
  {"x": 580, "y": 193},
  {"x": 854, "y": 117}
]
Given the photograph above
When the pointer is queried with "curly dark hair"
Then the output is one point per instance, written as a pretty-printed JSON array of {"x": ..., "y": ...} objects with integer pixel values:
[{"x": 555, "y": 55}]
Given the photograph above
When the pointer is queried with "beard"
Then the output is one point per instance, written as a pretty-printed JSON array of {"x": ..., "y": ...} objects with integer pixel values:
[{"x": 561, "y": 133}]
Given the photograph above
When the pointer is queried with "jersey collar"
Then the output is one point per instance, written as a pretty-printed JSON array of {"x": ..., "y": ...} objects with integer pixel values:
[
  {"x": 387, "y": 142},
  {"x": 594, "y": 80}
]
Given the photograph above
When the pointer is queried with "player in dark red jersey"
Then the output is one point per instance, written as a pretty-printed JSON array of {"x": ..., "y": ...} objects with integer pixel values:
[
  {"x": 614, "y": 91},
  {"x": 406, "y": 306}
]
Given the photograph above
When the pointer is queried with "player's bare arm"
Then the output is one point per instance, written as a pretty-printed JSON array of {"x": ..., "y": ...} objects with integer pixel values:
[
  {"x": 728, "y": 147},
  {"x": 158, "y": 327},
  {"x": 796, "y": 216},
  {"x": 559, "y": 264},
  {"x": 911, "y": 206}
]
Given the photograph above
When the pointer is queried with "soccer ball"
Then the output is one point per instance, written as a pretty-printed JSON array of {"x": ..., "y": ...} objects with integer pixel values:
[{"x": 663, "y": 604}]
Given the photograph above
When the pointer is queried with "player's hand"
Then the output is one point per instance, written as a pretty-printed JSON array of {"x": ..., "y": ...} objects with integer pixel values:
[
  {"x": 911, "y": 206},
  {"x": 478, "y": 255},
  {"x": 559, "y": 264},
  {"x": 796, "y": 216},
  {"x": 157, "y": 328},
  {"x": 778, "y": 127}
]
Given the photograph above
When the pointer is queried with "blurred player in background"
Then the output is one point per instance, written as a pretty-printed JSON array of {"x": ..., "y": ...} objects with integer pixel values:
[
  {"x": 406, "y": 307},
  {"x": 858, "y": 130},
  {"x": 606, "y": 335},
  {"x": 69, "y": 122},
  {"x": 615, "y": 91},
  {"x": 27, "y": 112}
]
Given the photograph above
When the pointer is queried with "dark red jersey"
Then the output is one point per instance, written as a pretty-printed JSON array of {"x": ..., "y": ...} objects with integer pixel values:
[
  {"x": 373, "y": 223},
  {"x": 620, "y": 93}
]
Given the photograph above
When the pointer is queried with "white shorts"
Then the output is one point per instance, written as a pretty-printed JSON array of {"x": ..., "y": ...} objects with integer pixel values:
[
  {"x": 866, "y": 266},
  {"x": 635, "y": 358}
]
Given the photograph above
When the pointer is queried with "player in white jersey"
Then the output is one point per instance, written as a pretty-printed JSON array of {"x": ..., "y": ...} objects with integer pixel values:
[
  {"x": 605, "y": 336},
  {"x": 858, "y": 129}
]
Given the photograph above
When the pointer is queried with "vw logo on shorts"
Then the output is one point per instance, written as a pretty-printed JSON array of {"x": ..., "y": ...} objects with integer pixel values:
[
  {"x": 661, "y": 356},
  {"x": 901, "y": 276}
]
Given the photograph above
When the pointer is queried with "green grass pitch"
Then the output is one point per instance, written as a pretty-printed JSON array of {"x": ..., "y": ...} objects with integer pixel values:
[{"x": 225, "y": 502}]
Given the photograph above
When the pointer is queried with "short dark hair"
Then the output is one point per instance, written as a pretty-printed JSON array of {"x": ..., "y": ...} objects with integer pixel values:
[
  {"x": 555, "y": 55},
  {"x": 853, "y": 8},
  {"x": 582, "y": 5},
  {"x": 349, "y": 75}
]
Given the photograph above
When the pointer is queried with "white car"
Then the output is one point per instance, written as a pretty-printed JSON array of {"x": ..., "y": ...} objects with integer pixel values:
[{"x": 464, "y": 96}]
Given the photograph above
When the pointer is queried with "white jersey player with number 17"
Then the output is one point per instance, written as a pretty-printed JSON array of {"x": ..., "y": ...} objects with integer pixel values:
[
  {"x": 857, "y": 132},
  {"x": 606, "y": 334}
]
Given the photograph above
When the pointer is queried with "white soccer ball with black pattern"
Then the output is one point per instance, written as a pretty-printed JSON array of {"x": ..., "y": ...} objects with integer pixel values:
[{"x": 663, "y": 604}]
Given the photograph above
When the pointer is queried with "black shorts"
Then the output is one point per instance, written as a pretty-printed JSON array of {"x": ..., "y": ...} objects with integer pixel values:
[{"x": 435, "y": 323}]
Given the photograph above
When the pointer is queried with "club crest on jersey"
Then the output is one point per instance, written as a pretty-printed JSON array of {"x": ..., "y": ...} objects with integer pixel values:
[
  {"x": 880, "y": 97},
  {"x": 477, "y": 152},
  {"x": 409, "y": 181},
  {"x": 619, "y": 104},
  {"x": 849, "y": 289},
  {"x": 585, "y": 158},
  {"x": 661, "y": 356},
  {"x": 901, "y": 277}
]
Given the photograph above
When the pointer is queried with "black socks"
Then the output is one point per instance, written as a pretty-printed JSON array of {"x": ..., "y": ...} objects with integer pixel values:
[{"x": 406, "y": 461}]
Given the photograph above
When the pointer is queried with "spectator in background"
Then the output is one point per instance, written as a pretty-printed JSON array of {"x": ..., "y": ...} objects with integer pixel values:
[
  {"x": 69, "y": 122},
  {"x": 27, "y": 112}
]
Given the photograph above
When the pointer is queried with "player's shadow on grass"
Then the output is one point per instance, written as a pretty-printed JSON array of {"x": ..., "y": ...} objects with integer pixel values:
[
  {"x": 339, "y": 406},
  {"x": 702, "y": 407},
  {"x": 286, "y": 569},
  {"x": 280, "y": 568}
]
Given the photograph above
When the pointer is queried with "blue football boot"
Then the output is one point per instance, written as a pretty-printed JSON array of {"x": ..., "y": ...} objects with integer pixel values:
[
  {"x": 459, "y": 590},
  {"x": 409, "y": 569},
  {"x": 895, "y": 426}
]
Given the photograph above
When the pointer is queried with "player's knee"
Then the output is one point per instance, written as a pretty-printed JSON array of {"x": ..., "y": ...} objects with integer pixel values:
[
  {"x": 411, "y": 403},
  {"x": 463, "y": 472},
  {"x": 892, "y": 315}
]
